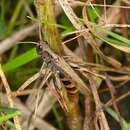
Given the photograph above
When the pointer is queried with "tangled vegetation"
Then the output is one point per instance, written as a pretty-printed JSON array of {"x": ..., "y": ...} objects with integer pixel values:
[{"x": 64, "y": 65}]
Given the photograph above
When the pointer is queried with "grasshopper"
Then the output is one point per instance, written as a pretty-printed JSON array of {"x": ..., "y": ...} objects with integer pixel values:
[
  {"x": 48, "y": 56},
  {"x": 58, "y": 66}
]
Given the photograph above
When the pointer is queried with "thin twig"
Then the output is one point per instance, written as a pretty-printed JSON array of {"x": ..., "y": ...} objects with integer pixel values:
[
  {"x": 16, "y": 37},
  {"x": 101, "y": 116},
  {"x": 79, "y": 3},
  {"x": 77, "y": 24},
  {"x": 24, "y": 92},
  {"x": 112, "y": 91},
  {"x": 8, "y": 91},
  {"x": 123, "y": 20},
  {"x": 89, "y": 111},
  {"x": 126, "y": 1},
  {"x": 38, "y": 122},
  {"x": 30, "y": 80},
  {"x": 105, "y": 12},
  {"x": 109, "y": 103},
  {"x": 117, "y": 25}
]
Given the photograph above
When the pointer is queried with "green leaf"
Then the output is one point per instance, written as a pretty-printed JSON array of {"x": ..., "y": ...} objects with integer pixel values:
[
  {"x": 64, "y": 21},
  {"x": 9, "y": 113},
  {"x": 127, "y": 126},
  {"x": 123, "y": 41},
  {"x": 20, "y": 60},
  {"x": 92, "y": 13},
  {"x": 67, "y": 32},
  {"x": 115, "y": 116}
]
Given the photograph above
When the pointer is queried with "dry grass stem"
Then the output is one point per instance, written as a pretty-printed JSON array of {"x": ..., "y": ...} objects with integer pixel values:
[
  {"x": 10, "y": 99},
  {"x": 112, "y": 91},
  {"x": 88, "y": 67},
  {"x": 46, "y": 104},
  {"x": 16, "y": 37},
  {"x": 100, "y": 114},
  {"x": 126, "y": 1},
  {"x": 79, "y": 3}
]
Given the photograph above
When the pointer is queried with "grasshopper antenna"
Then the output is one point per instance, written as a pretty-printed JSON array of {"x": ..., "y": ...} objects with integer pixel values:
[
  {"x": 40, "y": 33},
  {"x": 28, "y": 42}
]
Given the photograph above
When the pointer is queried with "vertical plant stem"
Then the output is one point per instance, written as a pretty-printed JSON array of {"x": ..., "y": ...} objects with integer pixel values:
[
  {"x": 100, "y": 114},
  {"x": 113, "y": 96},
  {"x": 2, "y": 10},
  {"x": 57, "y": 116},
  {"x": 74, "y": 116},
  {"x": 89, "y": 113},
  {"x": 123, "y": 20},
  {"x": 10, "y": 100},
  {"x": 45, "y": 11},
  {"x": 15, "y": 16}
]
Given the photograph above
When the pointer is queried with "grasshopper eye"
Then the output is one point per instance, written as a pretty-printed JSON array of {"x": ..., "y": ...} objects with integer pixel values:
[{"x": 39, "y": 49}]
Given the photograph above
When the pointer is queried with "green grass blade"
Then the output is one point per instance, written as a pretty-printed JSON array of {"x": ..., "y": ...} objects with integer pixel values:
[
  {"x": 115, "y": 116},
  {"x": 9, "y": 113},
  {"x": 127, "y": 127},
  {"x": 125, "y": 41},
  {"x": 20, "y": 60}
]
